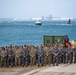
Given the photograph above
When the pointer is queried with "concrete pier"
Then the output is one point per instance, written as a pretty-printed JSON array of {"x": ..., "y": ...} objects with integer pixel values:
[{"x": 62, "y": 69}]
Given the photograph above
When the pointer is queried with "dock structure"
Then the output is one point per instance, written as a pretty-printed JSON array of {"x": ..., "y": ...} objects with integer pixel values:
[{"x": 62, "y": 69}]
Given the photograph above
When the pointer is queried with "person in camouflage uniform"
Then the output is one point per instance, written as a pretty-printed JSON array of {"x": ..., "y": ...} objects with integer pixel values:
[
  {"x": 3, "y": 57},
  {"x": 0, "y": 56},
  {"x": 47, "y": 55},
  {"x": 32, "y": 54},
  {"x": 17, "y": 56}
]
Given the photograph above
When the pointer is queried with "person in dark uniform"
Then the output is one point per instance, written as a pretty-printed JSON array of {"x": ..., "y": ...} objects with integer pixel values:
[
  {"x": 25, "y": 55},
  {"x": 61, "y": 54},
  {"x": 55, "y": 53},
  {"x": 70, "y": 54},
  {"x": 74, "y": 54},
  {"x": 40, "y": 55},
  {"x": 10, "y": 57},
  {"x": 66, "y": 55}
]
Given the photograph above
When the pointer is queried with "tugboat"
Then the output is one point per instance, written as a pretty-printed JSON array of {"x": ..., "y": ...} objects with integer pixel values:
[
  {"x": 69, "y": 22},
  {"x": 38, "y": 22}
]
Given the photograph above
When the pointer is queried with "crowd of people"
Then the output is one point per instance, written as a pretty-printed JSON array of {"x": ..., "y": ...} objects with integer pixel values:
[{"x": 40, "y": 55}]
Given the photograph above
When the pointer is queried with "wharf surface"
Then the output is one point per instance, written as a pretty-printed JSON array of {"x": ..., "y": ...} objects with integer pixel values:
[{"x": 62, "y": 69}]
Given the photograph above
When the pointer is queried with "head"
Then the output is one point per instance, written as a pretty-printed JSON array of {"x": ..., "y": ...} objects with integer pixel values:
[
  {"x": 56, "y": 47},
  {"x": 32, "y": 48}
]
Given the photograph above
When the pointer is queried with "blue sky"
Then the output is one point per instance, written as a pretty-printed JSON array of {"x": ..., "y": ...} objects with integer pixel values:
[{"x": 37, "y": 8}]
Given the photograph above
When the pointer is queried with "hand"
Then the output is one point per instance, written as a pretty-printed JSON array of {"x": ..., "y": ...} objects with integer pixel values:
[{"x": 9, "y": 55}]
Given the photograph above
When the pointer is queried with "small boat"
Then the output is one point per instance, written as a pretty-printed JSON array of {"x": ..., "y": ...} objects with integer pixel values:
[
  {"x": 38, "y": 22},
  {"x": 69, "y": 22}
]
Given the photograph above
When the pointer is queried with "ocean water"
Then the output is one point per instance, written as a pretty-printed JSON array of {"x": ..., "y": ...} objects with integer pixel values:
[{"x": 26, "y": 32}]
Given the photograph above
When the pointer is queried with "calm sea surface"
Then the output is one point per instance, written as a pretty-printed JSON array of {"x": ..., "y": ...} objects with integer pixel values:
[{"x": 26, "y": 32}]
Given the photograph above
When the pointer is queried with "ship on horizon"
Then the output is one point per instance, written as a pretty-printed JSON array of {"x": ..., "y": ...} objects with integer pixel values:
[{"x": 38, "y": 22}]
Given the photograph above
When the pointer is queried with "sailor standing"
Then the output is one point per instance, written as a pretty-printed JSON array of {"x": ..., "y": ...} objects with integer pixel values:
[
  {"x": 3, "y": 57},
  {"x": 25, "y": 55},
  {"x": 10, "y": 54},
  {"x": 55, "y": 53},
  {"x": 40, "y": 55},
  {"x": 74, "y": 55},
  {"x": 47, "y": 55}
]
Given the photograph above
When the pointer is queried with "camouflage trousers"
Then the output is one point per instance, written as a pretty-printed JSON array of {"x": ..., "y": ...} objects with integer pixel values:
[
  {"x": 32, "y": 60},
  {"x": 17, "y": 61},
  {"x": 3, "y": 61},
  {"x": 47, "y": 60}
]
